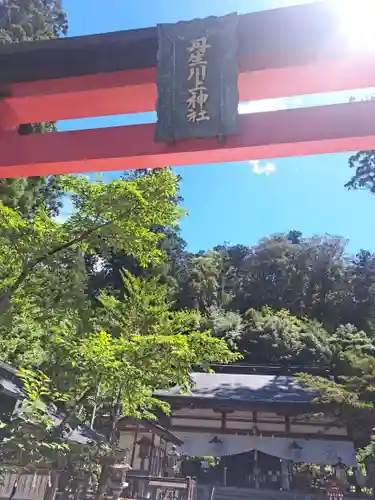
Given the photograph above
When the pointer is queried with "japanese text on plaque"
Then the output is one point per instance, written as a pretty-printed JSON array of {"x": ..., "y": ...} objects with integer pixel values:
[{"x": 198, "y": 94}]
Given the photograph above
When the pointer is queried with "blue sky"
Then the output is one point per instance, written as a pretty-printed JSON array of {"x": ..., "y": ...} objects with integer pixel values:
[{"x": 240, "y": 202}]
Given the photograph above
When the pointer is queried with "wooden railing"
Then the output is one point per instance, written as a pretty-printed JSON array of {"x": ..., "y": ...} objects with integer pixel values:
[{"x": 160, "y": 488}]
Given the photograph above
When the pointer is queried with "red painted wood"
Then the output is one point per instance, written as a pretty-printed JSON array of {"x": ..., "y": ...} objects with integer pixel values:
[
  {"x": 84, "y": 96},
  {"x": 8, "y": 118},
  {"x": 326, "y": 129},
  {"x": 135, "y": 91},
  {"x": 283, "y": 52}
]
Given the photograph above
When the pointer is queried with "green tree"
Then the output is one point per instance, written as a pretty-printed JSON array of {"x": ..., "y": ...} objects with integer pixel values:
[
  {"x": 228, "y": 325},
  {"x": 30, "y": 436},
  {"x": 310, "y": 277},
  {"x": 106, "y": 271},
  {"x": 140, "y": 345},
  {"x": 351, "y": 396},
  {"x": 346, "y": 342},
  {"x": 303, "y": 277},
  {"x": 200, "y": 282},
  {"x": 294, "y": 236},
  {"x": 29, "y": 194},
  {"x": 359, "y": 304},
  {"x": 277, "y": 337},
  {"x": 363, "y": 163},
  {"x": 139, "y": 332},
  {"x": 22, "y": 20},
  {"x": 108, "y": 360},
  {"x": 42, "y": 262},
  {"x": 146, "y": 308}
]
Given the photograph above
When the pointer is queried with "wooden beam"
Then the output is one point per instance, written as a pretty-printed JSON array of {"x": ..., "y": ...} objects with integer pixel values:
[
  {"x": 285, "y": 421},
  {"x": 282, "y": 52},
  {"x": 294, "y": 33},
  {"x": 135, "y": 91},
  {"x": 103, "y": 94},
  {"x": 295, "y": 435},
  {"x": 308, "y": 131}
]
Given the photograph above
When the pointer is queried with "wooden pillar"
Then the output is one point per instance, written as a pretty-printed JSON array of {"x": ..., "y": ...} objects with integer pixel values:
[
  {"x": 370, "y": 468},
  {"x": 134, "y": 445},
  {"x": 165, "y": 458},
  {"x": 256, "y": 470},
  {"x": 286, "y": 466},
  {"x": 225, "y": 474},
  {"x": 287, "y": 424},
  {"x": 151, "y": 457},
  {"x": 223, "y": 420},
  {"x": 52, "y": 487}
]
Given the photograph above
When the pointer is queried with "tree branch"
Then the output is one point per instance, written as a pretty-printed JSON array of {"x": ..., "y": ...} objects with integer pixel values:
[
  {"x": 5, "y": 297},
  {"x": 77, "y": 403}
]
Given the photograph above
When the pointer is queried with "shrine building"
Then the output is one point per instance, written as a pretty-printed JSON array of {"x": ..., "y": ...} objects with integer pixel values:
[{"x": 255, "y": 424}]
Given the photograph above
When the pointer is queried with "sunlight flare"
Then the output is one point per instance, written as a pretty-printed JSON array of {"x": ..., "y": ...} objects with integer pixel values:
[{"x": 356, "y": 22}]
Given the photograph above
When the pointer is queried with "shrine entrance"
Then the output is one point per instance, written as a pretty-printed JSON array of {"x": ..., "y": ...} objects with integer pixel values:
[
  {"x": 280, "y": 53},
  {"x": 252, "y": 469},
  {"x": 257, "y": 431}
]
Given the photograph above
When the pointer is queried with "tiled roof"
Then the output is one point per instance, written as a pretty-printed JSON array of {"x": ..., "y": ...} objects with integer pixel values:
[
  {"x": 11, "y": 385},
  {"x": 243, "y": 387}
]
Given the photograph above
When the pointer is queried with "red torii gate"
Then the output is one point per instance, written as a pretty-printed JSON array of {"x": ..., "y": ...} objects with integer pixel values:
[{"x": 283, "y": 52}]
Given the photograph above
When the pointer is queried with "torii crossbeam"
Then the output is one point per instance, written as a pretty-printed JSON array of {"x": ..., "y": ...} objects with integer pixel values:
[{"x": 283, "y": 52}]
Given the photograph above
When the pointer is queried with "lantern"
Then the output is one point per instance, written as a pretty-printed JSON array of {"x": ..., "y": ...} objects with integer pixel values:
[{"x": 117, "y": 480}]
